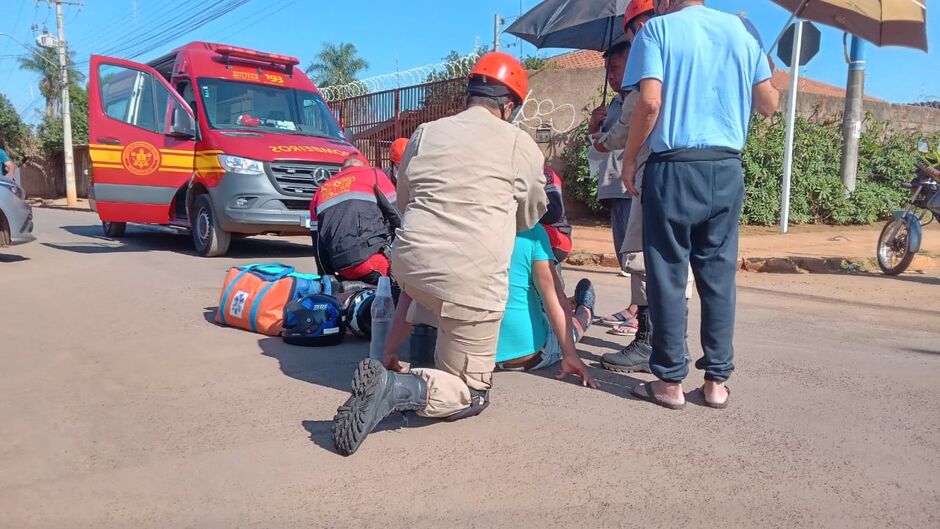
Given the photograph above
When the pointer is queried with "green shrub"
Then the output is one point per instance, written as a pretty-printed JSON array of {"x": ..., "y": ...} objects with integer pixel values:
[
  {"x": 816, "y": 192},
  {"x": 578, "y": 181}
]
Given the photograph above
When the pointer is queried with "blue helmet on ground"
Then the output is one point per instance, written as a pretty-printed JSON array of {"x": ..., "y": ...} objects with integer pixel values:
[{"x": 315, "y": 320}]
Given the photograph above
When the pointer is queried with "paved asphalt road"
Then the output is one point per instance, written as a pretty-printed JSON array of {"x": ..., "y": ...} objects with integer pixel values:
[{"x": 122, "y": 406}]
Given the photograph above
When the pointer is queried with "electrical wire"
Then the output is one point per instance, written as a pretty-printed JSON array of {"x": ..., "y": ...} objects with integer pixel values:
[
  {"x": 262, "y": 14},
  {"x": 128, "y": 19},
  {"x": 166, "y": 35},
  {"x": 154, "y": 31},
  {"x": 16, "y": 22}
]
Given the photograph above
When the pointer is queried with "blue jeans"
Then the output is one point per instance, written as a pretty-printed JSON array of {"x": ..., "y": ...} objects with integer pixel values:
[{"x": 691, "y": 204}]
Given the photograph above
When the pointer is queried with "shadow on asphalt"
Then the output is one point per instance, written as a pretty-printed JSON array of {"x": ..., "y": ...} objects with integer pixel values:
[
  {"x": 923, "y": 351},
  {"x": 157, "y": 238},
  {"x": 320, "y": 430},
  {"x": 12, "y": 258},
  {"x": 330, "y": 367},
  {"x": 908, "y": 278}
]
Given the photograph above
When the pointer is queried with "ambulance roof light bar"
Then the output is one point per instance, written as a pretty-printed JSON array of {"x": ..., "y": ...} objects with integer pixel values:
[{"x": 232, "y": 51}]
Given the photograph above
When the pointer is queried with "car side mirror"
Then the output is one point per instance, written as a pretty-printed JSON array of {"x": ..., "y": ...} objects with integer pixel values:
[
  {"x": 923, "y": 147},
  {"x": 183, "y": 125}
]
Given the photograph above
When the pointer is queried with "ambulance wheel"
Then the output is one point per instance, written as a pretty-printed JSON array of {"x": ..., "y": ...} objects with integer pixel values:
[
  {"x": 113, "y": 229},
  {"x": 209, "y": 238}
]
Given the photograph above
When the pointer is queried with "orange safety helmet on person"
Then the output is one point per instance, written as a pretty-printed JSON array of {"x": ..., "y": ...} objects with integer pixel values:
[
  {"x": 397, "y": 151},
  {"x": 505, "y": 69},
  {"x": 636, "y": 8}
]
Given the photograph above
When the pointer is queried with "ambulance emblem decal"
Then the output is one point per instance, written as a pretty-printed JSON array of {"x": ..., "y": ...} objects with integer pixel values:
[{"x": 141, "y": 158}]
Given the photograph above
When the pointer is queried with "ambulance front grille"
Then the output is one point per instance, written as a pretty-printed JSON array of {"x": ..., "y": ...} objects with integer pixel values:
[{"x": 300, "y": 178}]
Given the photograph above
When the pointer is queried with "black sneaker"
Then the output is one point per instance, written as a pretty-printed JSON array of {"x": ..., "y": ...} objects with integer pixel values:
[{"x": 634, "y": 358}]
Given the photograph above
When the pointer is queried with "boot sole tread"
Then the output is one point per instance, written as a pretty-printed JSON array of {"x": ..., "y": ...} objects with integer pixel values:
[
  {"x": 624, "y": 369},
  {"x": 349, "y": 427}
]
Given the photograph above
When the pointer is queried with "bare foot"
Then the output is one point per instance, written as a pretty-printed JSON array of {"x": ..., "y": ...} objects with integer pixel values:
[
  {"x": 715, "y": 392},
  {"x": 668, "y": 392}
]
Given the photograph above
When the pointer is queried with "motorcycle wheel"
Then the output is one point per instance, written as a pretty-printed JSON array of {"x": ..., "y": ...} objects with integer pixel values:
[{"x": 894, "y": 251}]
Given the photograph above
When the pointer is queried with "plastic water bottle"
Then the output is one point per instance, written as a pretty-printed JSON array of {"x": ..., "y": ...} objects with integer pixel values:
[{"x": 383, "y": 311}]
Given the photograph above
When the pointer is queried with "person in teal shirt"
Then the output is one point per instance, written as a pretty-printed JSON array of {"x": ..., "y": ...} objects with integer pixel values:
[
  {"x": 538, "y": 328},
  {"x": 7, "y": 165}
]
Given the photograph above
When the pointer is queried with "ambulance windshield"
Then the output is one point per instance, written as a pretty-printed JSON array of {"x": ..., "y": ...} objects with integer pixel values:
[{"x": 234, "y": 105}]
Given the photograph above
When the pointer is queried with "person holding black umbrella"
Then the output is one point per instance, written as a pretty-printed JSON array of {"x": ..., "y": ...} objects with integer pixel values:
[
  {"x": 635, "y": 356},
  {"x": 693, "y": 181}
]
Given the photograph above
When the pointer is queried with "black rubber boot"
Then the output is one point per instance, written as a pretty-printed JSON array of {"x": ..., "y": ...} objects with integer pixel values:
[
  {"x": 376, "y": 394},
  {"x": 636, "y": 356}
]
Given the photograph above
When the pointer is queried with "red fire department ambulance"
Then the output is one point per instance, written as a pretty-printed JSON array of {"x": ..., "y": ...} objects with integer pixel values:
[{"x": 212, "y": 138}]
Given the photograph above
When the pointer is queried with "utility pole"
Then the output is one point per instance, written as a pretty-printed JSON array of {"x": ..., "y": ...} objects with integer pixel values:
[
  {"x": 852, "y": 117},
  {"x": 496, "y": 32},
  {"x": 791, "y": 121},
  {"x": 71, "y": 196}
]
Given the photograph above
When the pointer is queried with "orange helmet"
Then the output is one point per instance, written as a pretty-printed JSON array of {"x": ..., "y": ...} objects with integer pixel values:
[
  {"x": 636, "y": 8},
  {"x": 505, "y": 69},
  {"x": 397, "y": 150}
]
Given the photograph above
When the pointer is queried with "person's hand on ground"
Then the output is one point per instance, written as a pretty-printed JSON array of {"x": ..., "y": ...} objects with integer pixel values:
[
  {"x": 574, "y": 366},
  {"x": 598, "y": 115},
  {"x": 390, "y": 361},
  {"x": 628, "y": 175}
]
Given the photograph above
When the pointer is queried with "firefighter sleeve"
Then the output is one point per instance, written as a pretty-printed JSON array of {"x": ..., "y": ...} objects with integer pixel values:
[
  {"x": 528, "y": 163},
  {"x": 322, "y": 260},
  {"x": 385, "y": 195}
]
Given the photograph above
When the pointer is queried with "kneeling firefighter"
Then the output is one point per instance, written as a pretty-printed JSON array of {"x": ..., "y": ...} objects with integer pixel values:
[
  {"x": 353, "y": 222},
  {"x": 467, "y": 183}
]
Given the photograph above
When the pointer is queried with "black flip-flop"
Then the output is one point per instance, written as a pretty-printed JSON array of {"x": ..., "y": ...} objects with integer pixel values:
[
  {"x": 716, "y": 405},
  {"x": 650, "y": 396}
]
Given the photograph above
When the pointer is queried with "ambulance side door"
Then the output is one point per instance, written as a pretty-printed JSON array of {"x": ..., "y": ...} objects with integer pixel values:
[{"x": 142, "y": 140}]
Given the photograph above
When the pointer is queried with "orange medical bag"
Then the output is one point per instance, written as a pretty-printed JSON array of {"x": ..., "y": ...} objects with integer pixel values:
[{"x": 254, "y": 296}]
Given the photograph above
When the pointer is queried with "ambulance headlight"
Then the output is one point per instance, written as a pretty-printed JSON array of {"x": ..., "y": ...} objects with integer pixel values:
[{"x": 239, "y": 165}]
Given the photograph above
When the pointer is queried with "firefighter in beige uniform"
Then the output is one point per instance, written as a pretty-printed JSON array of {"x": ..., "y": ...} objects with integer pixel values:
[{"x": 467, "y": 184}]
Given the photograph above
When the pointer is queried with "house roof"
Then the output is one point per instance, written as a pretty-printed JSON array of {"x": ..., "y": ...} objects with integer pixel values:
[{"x": 780, "y": 80}]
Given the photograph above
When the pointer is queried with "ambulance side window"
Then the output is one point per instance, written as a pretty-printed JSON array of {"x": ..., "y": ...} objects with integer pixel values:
[
  {"x": 161, "y": 100},
  {"x": 133, "y": 97}
]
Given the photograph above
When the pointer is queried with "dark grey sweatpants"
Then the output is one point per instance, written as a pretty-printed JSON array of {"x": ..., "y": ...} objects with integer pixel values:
[
  {"x": 619, "y": 217},
  {"x": 691, "y": 204}
]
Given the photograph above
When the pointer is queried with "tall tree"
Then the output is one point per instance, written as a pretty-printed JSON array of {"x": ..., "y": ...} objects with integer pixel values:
[
  {"x": 50, "y": 133},
  {"x": 45, "y": 62},
  {"x": 14, "y": 134},
  {"x": 337, "y": 64}
]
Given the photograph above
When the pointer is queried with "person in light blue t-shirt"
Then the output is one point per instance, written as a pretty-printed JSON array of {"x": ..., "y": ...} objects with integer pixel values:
[
  {"x": 700, "y": 74},
  {"x": 538, "y": 328}
]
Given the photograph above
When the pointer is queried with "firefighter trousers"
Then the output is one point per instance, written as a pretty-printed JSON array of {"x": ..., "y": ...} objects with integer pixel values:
[{"x": 465, "y": 353}]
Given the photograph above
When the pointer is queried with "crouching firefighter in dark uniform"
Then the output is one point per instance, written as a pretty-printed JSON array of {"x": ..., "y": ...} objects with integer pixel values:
[{"x": 353, "y": 222}]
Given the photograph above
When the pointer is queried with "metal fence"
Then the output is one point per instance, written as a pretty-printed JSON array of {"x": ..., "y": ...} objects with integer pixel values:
[{"x": 374, "y": 121}]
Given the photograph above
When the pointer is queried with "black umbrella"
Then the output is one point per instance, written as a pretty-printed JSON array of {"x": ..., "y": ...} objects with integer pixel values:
[{"x": 579, "y": 24}]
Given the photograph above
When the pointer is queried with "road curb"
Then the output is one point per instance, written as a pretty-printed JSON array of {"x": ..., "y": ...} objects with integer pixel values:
[
  {"x": 775, "y": 265},
  {"x": 41, "y": 203}
]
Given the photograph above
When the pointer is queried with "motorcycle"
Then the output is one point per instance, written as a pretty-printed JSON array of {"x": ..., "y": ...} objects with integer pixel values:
[{"x": 900, "y": 239}]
